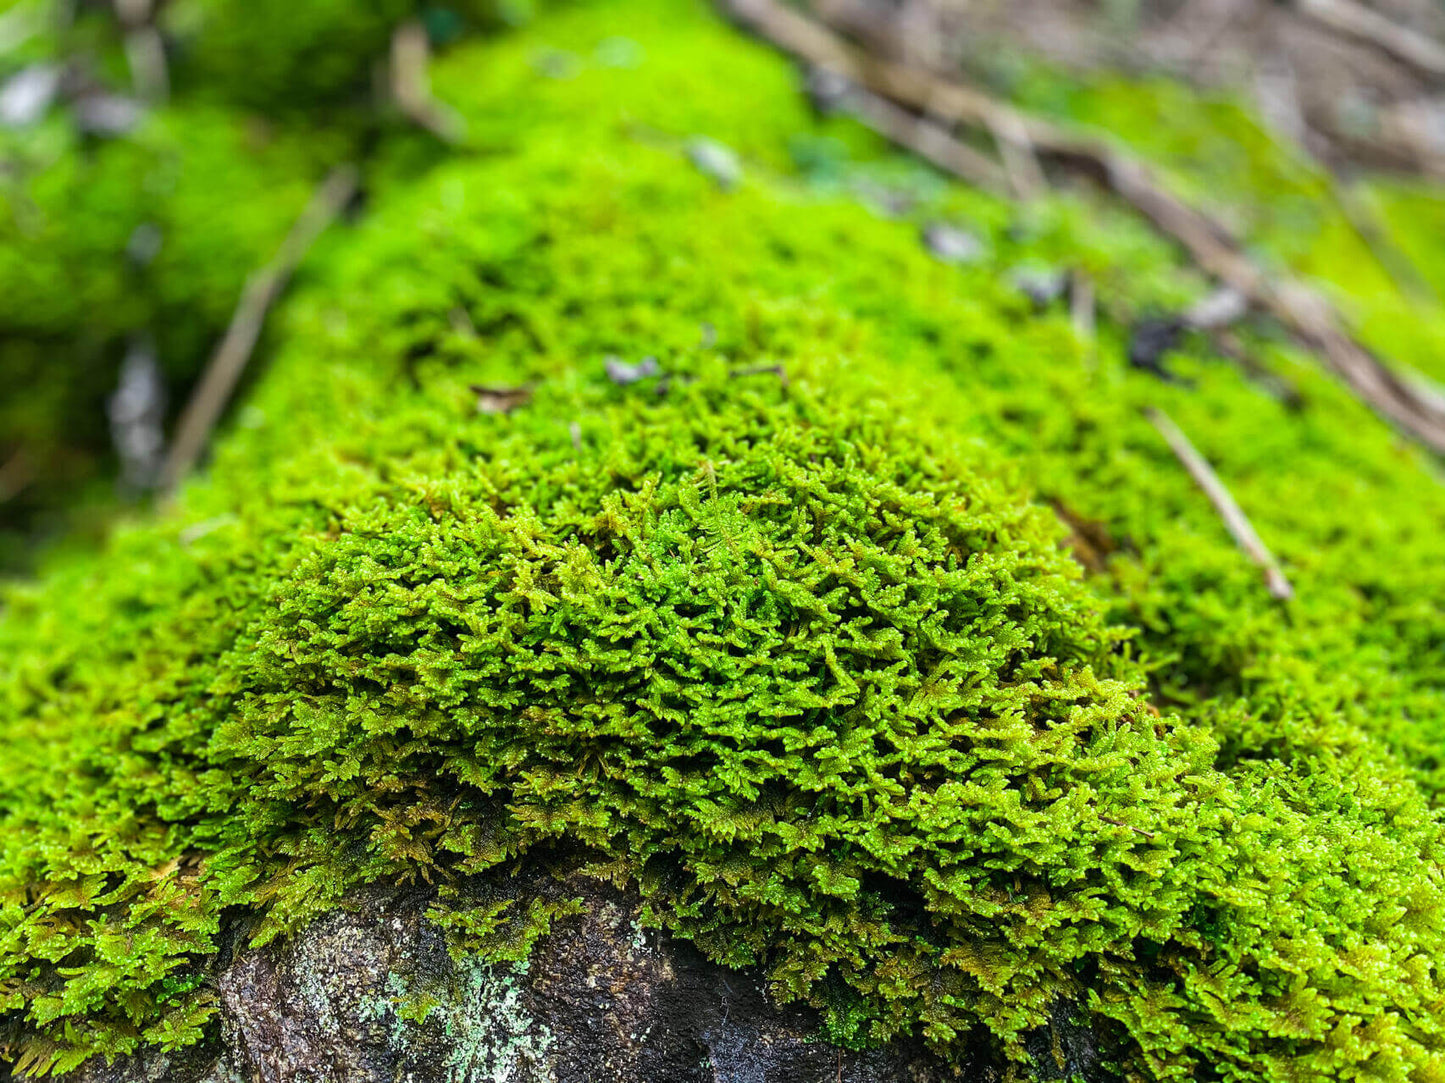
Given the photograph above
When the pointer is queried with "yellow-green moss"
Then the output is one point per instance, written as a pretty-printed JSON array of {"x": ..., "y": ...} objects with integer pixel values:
[
  {"x": 808, "y": 662},
  {"x": 146, "y": 238}
]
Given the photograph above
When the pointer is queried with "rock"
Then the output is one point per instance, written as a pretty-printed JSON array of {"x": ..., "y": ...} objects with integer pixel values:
[
  {"x": 622, "y": 374},
  {"x": 108, "y": 114},
  {"x": 369, "y": 994},
  {"x": 28, "y": 94},
  {"x": 1219, "y": 309},
  {"x": 1149, "y": 343},
  {"x": 716, "y": 161},
  {"x": 951, "y": 244},
  {"x": 1041, "y": 285}
]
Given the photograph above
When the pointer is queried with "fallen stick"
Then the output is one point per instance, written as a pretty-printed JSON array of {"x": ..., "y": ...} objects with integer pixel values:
[
  {"x": 1375, "y": 235},
  {"x": 1276, "y": 93},
  {"x": 145, "y": 51},
  {"x": 1021, "y": 165},
  {"x": 1278, "y": 387},
  {"x": 1130, "y": 827},
  {"x": 411, "y": 84},
  {"x": 1307, "y": 315},
  {"x": 923, "y": 136},
  {"x": 231, "y": 356},
  {"x": 1364, "y": 24},
  {"x": 1235, "y": 521}
]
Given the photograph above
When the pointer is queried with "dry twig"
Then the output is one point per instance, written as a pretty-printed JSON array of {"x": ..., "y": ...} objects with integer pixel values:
[
  {"x": 262, "y": 290},
  {"x": 1277, "y": 95},
  {"x": 1312, "y": 319},
  {"x": 1130, "y": 827},
  {"x": 1365, "y": 24},
  {"x": 145, "y": 51},
  {"x": 1234, "y": 518},
  {"x": 926, "y": 138},
  {"x": 494, "y": 399},
  {"x": 1020, "y": 162},
  {"x": 411, "y": 84},
  {"x": 1228, "y": 344},
  {"x": 1375, "y": 236}
]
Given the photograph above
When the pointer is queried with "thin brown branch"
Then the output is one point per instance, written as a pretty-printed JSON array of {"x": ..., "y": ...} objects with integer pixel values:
[
  {"x": 1020, "y": 162},
  {"x": 1365, "y": 24},
  {"x": 1309, "y": 317},
  {"x": 1235, "y": 521},
  {"x": 927, "y": 138},
  {"x": 411, "y": 84},
  {"x": 230, "y": 359},
  {"x": 495, "y": 399},
  {"x": 1130, "y": 827},
  {"x": 1375, "y": 236},
  {"x": 145, "y": 51},
  {"x": 1277, "y": 95},
  {"x": 1408, "y": 132},
  {"x": 1257, "y": 371}
]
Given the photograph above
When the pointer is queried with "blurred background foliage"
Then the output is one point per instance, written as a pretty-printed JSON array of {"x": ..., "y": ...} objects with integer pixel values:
[{"x": 153, "y": 155}]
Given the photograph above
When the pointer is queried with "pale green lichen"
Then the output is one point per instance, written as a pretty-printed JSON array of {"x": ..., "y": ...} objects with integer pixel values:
[
  {"x": 477, "y": 1014},
  {"x": 496, "y": 1039}
]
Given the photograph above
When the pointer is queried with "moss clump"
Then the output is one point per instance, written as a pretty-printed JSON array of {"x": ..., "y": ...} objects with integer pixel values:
[
  {"x": 276, "y": 56},
  {"x": 283, "y": 58},
  {"x": 148, "y": 238},
  {"x": 144, "y": 236},
  {"x": 806, "y": 661}
]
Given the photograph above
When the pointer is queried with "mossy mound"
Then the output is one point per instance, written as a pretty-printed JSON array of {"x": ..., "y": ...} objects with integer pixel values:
[{"x": 787, "y": 635}]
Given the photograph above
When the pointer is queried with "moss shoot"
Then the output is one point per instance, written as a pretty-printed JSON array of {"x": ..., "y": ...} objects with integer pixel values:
[{"x": 804, "y": 636}]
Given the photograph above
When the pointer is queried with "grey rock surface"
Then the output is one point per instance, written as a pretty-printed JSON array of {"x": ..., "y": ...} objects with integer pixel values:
[{"x": 369, "y": 994}]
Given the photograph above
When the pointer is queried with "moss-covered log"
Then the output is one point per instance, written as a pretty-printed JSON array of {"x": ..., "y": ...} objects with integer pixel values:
[{"x": 868, "y": 630}]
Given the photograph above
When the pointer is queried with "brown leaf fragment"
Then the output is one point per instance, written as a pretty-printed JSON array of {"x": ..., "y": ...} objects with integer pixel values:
[
  {"x": 1089, "y": 540},
  {"x": 492, "y": 399}
]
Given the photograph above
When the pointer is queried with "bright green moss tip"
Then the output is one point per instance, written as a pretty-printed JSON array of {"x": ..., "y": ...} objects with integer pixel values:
[{"x": 790, "y": 639}]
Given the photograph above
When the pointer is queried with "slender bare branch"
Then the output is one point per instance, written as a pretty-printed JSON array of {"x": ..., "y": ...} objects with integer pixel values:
[
  {"x": 1228, "y": 344},
  {"x": 1375, "y": 235},
  {"x": 1025, "y": 175},
  {"x": 1365, "y": 24},
  {"x": 1309, "y": 317},
  {"x": 1235, "y": 520},
  {"x": 925, "y": 137},
  {"x": 262, "y": 289},
  {"x": 1129, "y": 827},
  {"x": 411, "y": 84},
  {"x": 145, "y": 51}
]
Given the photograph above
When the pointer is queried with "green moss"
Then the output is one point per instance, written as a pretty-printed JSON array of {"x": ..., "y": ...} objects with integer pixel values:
[
  {"x": 499, "y": 931},
  {"x": 809, "y": 662},
  {"x": 277, "y": 56},
  {"x": 1214, "y": 151},
  {"x": 148, "y": 237},
  {"x": 284, "y": 58}
]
